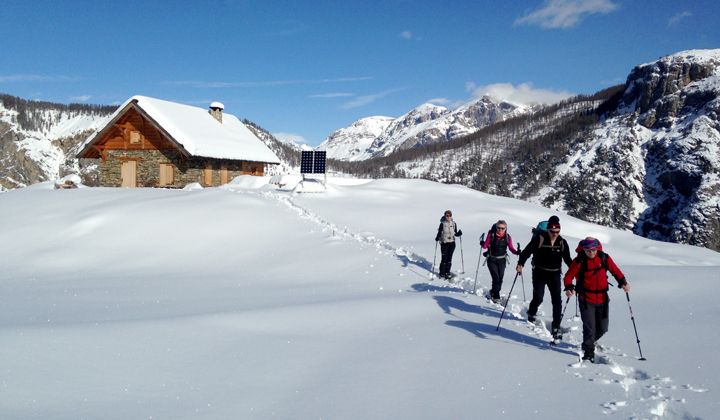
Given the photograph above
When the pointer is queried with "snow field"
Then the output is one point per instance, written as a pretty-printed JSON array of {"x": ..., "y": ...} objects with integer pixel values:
[{"x": 249, "y": 301}]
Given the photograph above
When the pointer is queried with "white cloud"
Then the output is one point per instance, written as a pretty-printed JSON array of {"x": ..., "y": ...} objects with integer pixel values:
[
  {"x": 331, "y": 95},
  {"x": 406, "y": 35},
  {"x": 678, "y": 17},
  {"x": 524, "y": 93},
  {"x": 82, "y": 98},
  {"x": 565, "y": 13},
  {"x": 289, "y": 137},
  {"x": 439, "y": 101},
  {"x": 19, "y": 78},
  {"x": 364, "y": 100}
]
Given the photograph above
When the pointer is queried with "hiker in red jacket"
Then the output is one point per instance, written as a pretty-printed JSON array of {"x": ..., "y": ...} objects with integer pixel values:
[{"x": 590, "y": 269}]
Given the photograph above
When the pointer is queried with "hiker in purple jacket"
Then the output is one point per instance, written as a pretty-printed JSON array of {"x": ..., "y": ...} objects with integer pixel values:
[{"x": 497, "y": 244}]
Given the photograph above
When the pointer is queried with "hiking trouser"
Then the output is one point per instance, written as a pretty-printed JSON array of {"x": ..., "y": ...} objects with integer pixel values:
[
  {"x": 595, "y": 319},
  {"x": 446, "y": 250},
  {"x": 497, "y": 272},
  {"x": 551, "y": 280}
]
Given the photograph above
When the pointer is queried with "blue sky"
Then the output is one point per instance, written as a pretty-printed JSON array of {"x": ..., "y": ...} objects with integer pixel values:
[{"x": 305, "y": 69}]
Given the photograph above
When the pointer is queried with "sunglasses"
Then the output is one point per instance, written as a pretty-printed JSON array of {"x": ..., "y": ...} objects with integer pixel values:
[
  {"x": 591, "y": 249},
  {"x": 500, "y": 228},
  {"x": 554, "y": 230}
]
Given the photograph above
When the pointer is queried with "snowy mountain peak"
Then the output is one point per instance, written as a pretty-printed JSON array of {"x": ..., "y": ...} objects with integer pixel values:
[{"x": 426, "y": 124}]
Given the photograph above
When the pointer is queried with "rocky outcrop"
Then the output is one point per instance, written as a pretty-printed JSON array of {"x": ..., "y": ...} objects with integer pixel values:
[{"x": 667, "y": 127}]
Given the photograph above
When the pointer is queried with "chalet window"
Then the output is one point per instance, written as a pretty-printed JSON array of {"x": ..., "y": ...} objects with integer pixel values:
[
  {"x": 208, "y": 175},
  {"x": 134, "y": 137},
  {"x": 128, "y": 173},
  {"x": 167, "y": 174},
  {"x": 223, "y": 174}
]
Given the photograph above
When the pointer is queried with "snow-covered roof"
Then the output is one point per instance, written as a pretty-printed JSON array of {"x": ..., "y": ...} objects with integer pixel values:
[{"x": 198, "y": 132}]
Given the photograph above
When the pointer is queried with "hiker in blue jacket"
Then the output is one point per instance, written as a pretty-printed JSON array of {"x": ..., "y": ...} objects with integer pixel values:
[
  {"x": 549, "y": 250},
  {"x": 446, "y": 236}
]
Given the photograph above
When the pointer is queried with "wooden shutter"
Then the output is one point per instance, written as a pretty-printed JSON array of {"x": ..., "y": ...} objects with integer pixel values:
[
  {"x": 208, "y": 175},
  {"x": 128, "y": 173},
  {"x": 167, "y": 174},
  {"x": 223, "y": 174},
  {"x": 134, "y": 137}
]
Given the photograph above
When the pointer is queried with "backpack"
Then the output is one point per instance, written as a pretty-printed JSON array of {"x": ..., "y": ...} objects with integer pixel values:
[
  {"x": 584, "y": 268},
  {"x": 489, "y": 235},
  {"x": 537, "y": 230}
]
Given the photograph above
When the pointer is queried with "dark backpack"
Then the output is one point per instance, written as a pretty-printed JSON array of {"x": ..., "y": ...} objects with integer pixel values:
[
  {"x": 582, "y": 259},
  {"x": 489, "y": 235}
]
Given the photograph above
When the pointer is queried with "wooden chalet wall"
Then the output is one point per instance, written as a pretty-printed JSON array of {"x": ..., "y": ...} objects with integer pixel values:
[{"x": 135, "y": 139}]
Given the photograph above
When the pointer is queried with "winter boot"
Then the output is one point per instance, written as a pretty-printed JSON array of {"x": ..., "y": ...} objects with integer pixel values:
[
  {"x": 589, "y": 356},
  {"x": 557, "y": 334},
  {"x": 531, "y": 318}
]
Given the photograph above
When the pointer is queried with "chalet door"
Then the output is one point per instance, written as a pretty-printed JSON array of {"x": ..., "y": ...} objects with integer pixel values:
[
  {"x": 167, "y": 174},
  {"x": 128, "y": 172},
  {"x": 208, "y": 175},
  {"x": 223, "y": 174}
]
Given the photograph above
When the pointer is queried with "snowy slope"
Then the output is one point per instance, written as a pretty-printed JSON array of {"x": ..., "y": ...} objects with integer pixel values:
[{"x": 133, "y": 303}]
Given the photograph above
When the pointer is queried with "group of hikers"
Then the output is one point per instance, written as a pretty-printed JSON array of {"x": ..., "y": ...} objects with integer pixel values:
[{"x": 548, "y": 250}]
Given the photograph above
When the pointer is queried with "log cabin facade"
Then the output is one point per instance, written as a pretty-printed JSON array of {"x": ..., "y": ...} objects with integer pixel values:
[{"x": 154, "y": 143}]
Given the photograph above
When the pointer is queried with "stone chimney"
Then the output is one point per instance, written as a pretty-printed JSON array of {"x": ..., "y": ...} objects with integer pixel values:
[{"x": 216, "y": 109}]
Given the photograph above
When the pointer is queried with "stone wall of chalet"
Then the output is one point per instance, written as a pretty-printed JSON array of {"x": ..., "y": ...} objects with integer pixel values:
[{"x": 148, "y": 168}]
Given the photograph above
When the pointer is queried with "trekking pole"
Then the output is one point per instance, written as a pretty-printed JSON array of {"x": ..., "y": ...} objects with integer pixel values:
[
  {"x": 563, "y": 312},
  {"x": 634, "y": 327},
  {"x": 461, "y": 257},
  {"x": 478, "y": 266},
  {"x": 522, "y": 278},
  {"x": 507, "y": 301},
  {"x": 432, "y": 271}
]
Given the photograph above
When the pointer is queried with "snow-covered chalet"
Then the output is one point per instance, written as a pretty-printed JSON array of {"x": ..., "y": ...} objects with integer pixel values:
[{"x": 154, "y": 143}]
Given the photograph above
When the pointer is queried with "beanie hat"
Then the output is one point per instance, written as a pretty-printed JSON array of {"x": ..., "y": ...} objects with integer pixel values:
[
  {"x": 590, "y": 243},
  {"x": 553, "y": 221}
]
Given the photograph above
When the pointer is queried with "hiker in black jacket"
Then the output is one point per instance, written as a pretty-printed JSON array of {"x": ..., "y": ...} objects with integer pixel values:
[
  {"x": 549, "y": 250},
  {"x": 446, "y": 236}
]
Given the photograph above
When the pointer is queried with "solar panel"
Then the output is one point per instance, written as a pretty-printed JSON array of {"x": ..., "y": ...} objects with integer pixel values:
[
  {"x": 319, "y": 164},
  {"x": 312, "y": 162},
  {"x": 306, "y": 162}
]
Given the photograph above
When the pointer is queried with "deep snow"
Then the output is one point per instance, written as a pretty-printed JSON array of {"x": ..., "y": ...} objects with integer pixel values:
[{"x": 249, "y": 301}]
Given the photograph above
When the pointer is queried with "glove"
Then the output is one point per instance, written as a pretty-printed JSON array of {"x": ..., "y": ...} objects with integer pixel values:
[
  {"x": 437, "y": 238},
  {"x": 622, "y": 282},
  {"x": 459, "y": 233},
  {"x": 485, "y": 254},
  {"x": 570, "y": 288}
]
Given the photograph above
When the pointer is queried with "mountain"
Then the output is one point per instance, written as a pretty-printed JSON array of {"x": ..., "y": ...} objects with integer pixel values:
[
  {"x": 643, "y": 156},
  {"x": 38, "y": 140},
  {"x": 427, "y": 124}
]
